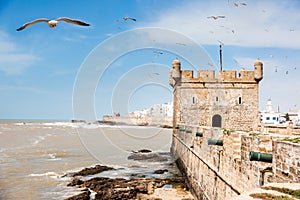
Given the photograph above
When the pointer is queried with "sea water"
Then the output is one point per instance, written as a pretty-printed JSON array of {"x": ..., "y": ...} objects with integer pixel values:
[{"x": 35, "y": 155}]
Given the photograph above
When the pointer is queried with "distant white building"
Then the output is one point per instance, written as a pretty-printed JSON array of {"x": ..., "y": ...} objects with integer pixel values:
[
  {"x": 162, "y": 110},
  {"x": 268, "y": 116},
  {"x": 157, "y": 110}
]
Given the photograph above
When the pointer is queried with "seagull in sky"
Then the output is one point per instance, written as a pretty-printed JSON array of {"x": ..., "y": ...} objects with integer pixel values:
[
  {"x": 52, "y": 23},
  {"x": 178, "y": 43},
  {"x": 237, "y": 4},
  {"x": 128, "y": 18},
  {"x": 157, "y": 52},
  {"x": 216, "y": 17}
]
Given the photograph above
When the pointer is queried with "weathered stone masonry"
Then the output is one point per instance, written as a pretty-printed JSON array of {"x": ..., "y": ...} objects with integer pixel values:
[
  {"x": 207, "y": 109},
  {"x": 227, "y": 100},
  {"x": 225, "y": 171}
]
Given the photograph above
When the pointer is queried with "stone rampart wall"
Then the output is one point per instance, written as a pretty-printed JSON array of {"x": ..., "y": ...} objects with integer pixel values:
[
  {"x": 281, "y": 129},
  {"x": 224, "y": 171},
  {"x": 287, "y": 166}
]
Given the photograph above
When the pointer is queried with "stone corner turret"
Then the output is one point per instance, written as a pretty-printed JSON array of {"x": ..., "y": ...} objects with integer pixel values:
[
  {"x": 175, "y": 73},
  {"x": 258, "y": 70}
]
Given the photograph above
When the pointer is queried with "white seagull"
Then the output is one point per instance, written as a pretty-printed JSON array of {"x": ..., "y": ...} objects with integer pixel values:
[
  {"x": 216, "y": 17},
  {"x": 52, "y": 23},
  {"x": 128, "y": 18}
]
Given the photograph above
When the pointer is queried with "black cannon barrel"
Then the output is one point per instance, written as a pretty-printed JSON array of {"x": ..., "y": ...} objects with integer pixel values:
[
  {"x": 181, "y": 129},
  {"x": 259, "y": 156},
  {"x": 215, "y": 142},
  {"x": 199, "y": 134}
]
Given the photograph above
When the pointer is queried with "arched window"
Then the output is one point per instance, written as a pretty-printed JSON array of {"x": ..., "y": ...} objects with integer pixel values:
[{"x": 217, "y": 121}]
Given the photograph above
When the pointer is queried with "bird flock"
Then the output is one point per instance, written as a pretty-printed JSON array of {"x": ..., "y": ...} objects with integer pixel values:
[{"x": 53, "y": 23}]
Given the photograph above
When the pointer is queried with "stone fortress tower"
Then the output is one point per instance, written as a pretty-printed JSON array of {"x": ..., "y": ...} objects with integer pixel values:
[{"x": 228, "y": 100}]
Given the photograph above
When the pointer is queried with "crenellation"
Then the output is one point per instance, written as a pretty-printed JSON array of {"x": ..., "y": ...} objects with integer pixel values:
[
  {"x": 246, "y": 75},
  {"x": 225, "y": 76},
  {"x": 187, "y": 74},
  {"x": 228, "y": 75}
]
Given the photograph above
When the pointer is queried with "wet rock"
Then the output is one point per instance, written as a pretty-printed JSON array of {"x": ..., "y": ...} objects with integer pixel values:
[
  {"x": 91, "y": 170},
  {"x": 166, "y": 126},
  {"x": 75, "y": 182},
  {"x": 82, "y": 196},
  {"x": 160, "y": 171},
  {"x": 119, "y": 188},
  {"x": 150, "y": 157},
  {"x": 144, "y": 151},
  {"x": 137, "y": 175}
]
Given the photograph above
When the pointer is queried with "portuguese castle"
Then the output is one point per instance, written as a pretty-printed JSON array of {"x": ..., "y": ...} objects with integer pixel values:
[{"x": 219, "y": 142}]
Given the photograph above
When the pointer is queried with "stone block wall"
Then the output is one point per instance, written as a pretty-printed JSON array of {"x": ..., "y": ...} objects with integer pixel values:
[
  {"x": 219, "y": 172},
  {"x": 286, "y": 168},
  {"x": 281, "y": 129},
  {"x": 209, "y": 98},
  {"x": 197, "y": 104}
]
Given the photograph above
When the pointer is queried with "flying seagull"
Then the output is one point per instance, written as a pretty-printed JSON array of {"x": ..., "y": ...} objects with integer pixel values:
[
  {"x": 157, "y": 52},
  {"x": 237, "y": 4},
  {"x": 178, "y": 43},
  {"x": 128, "y": 18},
  {"x": 216, "y": 17},
  {"x": 52, "y": 23}
]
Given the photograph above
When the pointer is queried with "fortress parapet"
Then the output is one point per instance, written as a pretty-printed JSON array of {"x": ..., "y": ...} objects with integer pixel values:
[
  {"x": 178, "y": 75},
  {"x": 227, "y": 99}
]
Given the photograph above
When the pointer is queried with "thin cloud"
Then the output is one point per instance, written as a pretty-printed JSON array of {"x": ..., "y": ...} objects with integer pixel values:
[
  {"x": 5, "y": 88},
  {"x": 259, "y": 24},
  {"x": 13, "y": 60}
]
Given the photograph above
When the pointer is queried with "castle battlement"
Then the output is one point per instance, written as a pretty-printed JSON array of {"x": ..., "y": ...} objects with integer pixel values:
[
  {"x": 178, "y": 76},
  {"x": 226, "y": 99},
  {"x": 218, "y": 141},
  {"x": 226, "y": 76}
]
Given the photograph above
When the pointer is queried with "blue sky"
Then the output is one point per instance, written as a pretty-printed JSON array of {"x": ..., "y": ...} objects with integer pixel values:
[{"x": 40, "y": 67}]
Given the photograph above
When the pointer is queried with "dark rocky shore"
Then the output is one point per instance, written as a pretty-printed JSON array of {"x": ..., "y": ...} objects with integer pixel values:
[{"x": 121, "y": 188}]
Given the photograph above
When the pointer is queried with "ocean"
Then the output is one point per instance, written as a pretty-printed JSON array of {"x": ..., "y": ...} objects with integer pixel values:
[{"x": 35, "y": 155}]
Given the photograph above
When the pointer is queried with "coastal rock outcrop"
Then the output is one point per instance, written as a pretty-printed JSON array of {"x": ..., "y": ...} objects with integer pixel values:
[
  {"x": 90, "y": 171},
  {"x": 149, "y": 156},
  {"x": 119, "y": 188},
  {"x": 82, "y": 196},
  {"x": 133, "y": 188}
]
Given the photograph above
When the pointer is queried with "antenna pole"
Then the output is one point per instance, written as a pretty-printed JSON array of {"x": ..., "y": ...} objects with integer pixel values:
[{"x": 221, "y": 57}]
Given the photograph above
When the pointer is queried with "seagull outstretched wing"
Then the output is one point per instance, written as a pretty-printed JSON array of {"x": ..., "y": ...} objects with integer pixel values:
[
  {"x": 73, "y": 21},
  {"x": 216, "y": 17},
  {"x": 129, "y": 18},
  {"x": 31, "y": 23}
]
